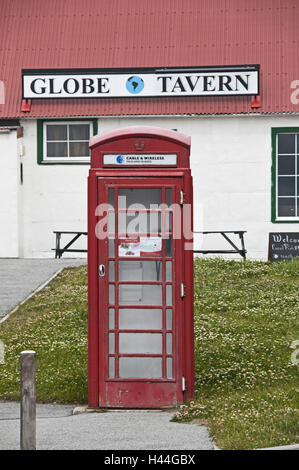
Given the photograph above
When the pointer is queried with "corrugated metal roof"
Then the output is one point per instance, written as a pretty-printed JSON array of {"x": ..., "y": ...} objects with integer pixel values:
[{"x": 149, "y": 33}]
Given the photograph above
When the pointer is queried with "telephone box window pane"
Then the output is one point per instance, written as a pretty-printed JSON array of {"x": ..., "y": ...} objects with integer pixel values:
[
  {"x": 139, "y": 222},
  {"x": 168, "y": 246},
  {"x": 169, "y": 367},
  {"x": 168, "y": 197},
  {"x": 139, "y": 294},
  {"x": 168, "y": 270},
  {"x": 140, "y": 367},
  {"x": 286, "y": 143},
  {"x": 298, "y": 207},
  {"x": 286, "y": 206},
  {"x": 286, "y": 165},
  {"x": 111, "y": 318},
  {"x": 57, "y": 149},
  {"x": 111, "y": 196},
  {"x": 140, "y": 271},
  {"x": 168, "y": 221},
  {"x": 168, "y": 295},
  {"x": 111, "y": 222},
  {"x": 140, "y": 319},
  {"x": 111, "y": 248},
  {"x": 140, "y": 343},
  {"x": 169, "y": 319},
  {"x": 169, "y": 343},
  {"x": 79, "y": 149},
  {"x": 56, "y": 132},
  {"x": 111, "y": 367},
  {"x": 111, "y": 343},
  {"x": 111, "y": 294},
  {"x": 111, "y": 271},
  {"x": 286, "y": 186},
  {"x": 134, "y": 197},
  {"x": 79, "y": 131}
]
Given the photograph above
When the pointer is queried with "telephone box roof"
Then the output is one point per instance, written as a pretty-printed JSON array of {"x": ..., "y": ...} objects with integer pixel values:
[{"x": 141, "y": 131}]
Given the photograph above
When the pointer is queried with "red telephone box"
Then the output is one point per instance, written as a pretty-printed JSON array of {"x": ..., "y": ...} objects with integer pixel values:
[{"x": 140, "y": 269}]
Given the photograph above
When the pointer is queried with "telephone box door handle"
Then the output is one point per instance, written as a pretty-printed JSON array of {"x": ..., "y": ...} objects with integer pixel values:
[{"x": 102, "y": 270}]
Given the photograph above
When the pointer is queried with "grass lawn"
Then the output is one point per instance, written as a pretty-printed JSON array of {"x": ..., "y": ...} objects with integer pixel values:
[{"x": 246, "y": 318}]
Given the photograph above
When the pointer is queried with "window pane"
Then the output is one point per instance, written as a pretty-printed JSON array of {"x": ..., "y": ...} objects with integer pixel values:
[
  {"x": 142, "y": 367},
  {"x": 140, "y": 271},
  {"x": 168, "y": 270},
  {"x": 140, "y": 319},
  {"x": 169, "y": 367},
  {"x": 111, "y": 248},
  {"x": 297, "y": 206},
  {"x": 169, "y": 343},
  {"x": 286, "y": 207},
  {"x": 111, "y": 343},
  {"x": 111, "y": 294},
  {"x": 56, "y": 132},
  {"x": 140, "y": 294},
  {"x": 139, "y": 222},
  {"x": 286, "y": 165},
  {"x": 140, "y": 343},
  {"x": 57, "y": 149},
  {"x": 168, "y": 197},
  {"x": 111, "y": 318},
  {"x": 286, "y": 143},
  {"x": 111, "y": 367},
  {"x": 168, "y": 295},
  {"x": 146, "y": 196},
  {"x": 79, "y": 149},
  {"x": 79, "y": 131},
  {"x": 286, "y": 186},
  {"x": 111, "y": 271},
  {"x": 168, "y": 319},
  {"x": 168, "y": 246}
]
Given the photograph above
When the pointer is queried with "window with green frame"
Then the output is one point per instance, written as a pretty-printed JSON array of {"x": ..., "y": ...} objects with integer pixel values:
[
  {"x": 61, "y": 141},
  {"x": 285, "y": 174}
]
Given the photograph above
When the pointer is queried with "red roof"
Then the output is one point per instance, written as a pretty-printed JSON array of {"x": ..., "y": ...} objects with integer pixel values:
[{"x": 150, "y": 33}]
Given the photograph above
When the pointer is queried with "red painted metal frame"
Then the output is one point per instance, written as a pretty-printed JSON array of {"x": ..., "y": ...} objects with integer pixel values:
[{"x": 140, "y": 392}]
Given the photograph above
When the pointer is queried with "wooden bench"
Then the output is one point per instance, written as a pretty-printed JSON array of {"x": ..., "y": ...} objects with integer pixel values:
[
  {"x": 238, "y": 250},
  {"x": 66, "y": 249}
]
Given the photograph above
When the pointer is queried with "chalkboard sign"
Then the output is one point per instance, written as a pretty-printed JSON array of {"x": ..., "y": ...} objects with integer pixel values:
[{"x": 283, "y": 246}]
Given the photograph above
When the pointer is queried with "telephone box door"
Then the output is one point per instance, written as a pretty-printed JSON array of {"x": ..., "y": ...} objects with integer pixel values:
[{"x": 140, "y": 300}]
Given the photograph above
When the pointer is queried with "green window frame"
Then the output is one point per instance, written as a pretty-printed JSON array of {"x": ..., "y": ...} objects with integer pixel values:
[
  {"x": 42, "y": 158},
  {"x": 285, "y": 175}
]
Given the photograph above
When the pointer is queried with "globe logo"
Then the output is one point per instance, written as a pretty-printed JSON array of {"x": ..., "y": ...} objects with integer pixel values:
[
  {"x": 120, "y": 159},
  {"x": 135, "y": 85}
]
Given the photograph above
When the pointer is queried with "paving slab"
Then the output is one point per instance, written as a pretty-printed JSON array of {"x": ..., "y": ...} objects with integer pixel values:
[
  {"x": 58, "y": 429},
  {"x": 20, "y": 277}
]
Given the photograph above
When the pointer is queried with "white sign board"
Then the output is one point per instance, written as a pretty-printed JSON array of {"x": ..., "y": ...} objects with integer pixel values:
[
  {"x": 193, "y": 81},
  {"x": 155, "y": 159}
]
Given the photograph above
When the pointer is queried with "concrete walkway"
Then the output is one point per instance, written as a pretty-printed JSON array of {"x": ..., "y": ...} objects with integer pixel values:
[
  {"x": 20, "y": 277},
  {"x": 58, "y": 429}
]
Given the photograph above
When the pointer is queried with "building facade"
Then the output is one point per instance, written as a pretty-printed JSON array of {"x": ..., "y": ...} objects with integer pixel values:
[{"x": 245, "y": 142}]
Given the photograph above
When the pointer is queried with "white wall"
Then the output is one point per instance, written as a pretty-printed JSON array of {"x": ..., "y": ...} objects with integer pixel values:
[
  {"x": 55, "y": 198},
  {"x": 231, "y": 167},
  {"x": 9, "y": 182}
]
